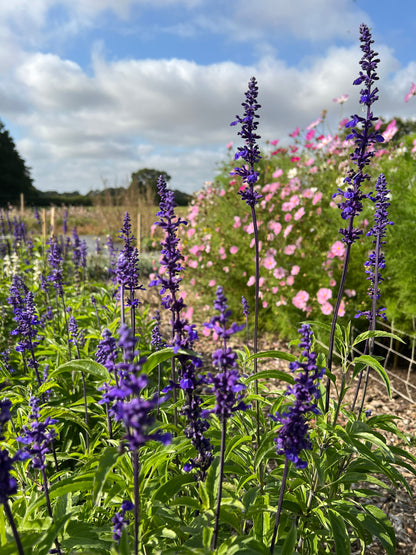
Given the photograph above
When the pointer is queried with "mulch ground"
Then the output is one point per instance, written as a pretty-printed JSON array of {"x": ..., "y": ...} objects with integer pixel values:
[{"x": 397, "y": 504}]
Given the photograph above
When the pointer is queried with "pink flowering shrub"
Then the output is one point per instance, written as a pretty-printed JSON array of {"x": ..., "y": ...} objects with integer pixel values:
[{"x": 300, "y": 249}]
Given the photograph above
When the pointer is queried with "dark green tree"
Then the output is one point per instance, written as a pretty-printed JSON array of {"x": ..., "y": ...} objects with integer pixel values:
[
  {"x": 145, "y": 182},
  {"x": 14, "y": 174}
]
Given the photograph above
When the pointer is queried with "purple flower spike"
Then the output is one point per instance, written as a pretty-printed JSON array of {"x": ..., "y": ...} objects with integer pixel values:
[
  {"x": 37, "y": 438},
  {"x": 293, "y": 436},
  {"x": 376, "y": 261},
  {"x": 120, "y": 521},
  {"x": 364, "y": 139},
  {"x": 126, "y": 405},
  {"x": 250, "y": 153},
  {"x": 226, "y": 385},
  {"x": 127, "y": 269}
]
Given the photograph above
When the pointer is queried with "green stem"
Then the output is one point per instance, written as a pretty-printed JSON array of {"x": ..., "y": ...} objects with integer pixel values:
[
  {"x": 279, "y": 506},
  {"x": 220, "y": 479},
  {"x": 12, "y": 523}
]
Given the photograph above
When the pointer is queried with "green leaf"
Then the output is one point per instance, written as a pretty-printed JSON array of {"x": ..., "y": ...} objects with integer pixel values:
[
  {"x": 273, "y": 354},
  {"x": 157, "y": 358},
  {"x": 378, "y": 524},
  {"x": 273, "y": 374},
  {"x": 234, "y": 442},
  {"x": 173, "y": 486},
  {"x": 339, "y": 531},
  {"x": 375, "y": 333},
  {"x": 47, "y": 539},
  {"x": 375, "y": 365},
  {"x": 107, "y": 460},
  {"x": 288, "y": 546},
  {"x": 82, "y": 365}
]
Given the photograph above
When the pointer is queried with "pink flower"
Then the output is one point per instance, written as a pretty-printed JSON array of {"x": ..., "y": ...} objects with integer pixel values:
[
  {"x": 269, "y": 262},
  {"x": 189, "y": 313},
  {"x": 211, "y": 283},
  {"x": 276, "y": 227},
  {"x": 390, "y": 131},
  {"x": 261, "y": 281},
  {"x": 411, "y": 93},
  {"x": 249, "y": 228},
  {"x": 193, "y": 263},
  {"x": 206, "y": 331},
  {"x": 290, "y": 249},
  {"x": 193, "y": 282},
  {"x": 229, "y": 145},
  {"x": 310, "y": 134},
  {"x": 295, "y": 133},
  {"x": 295, "y": 270},
  {"x": 314, "y": 124},
  {"x": 195, "y": 250},
  {"x": 265, "y": 304},
  {"x": 317, "y": 197},
  {"x": 300, "y": 299},
  {"x": 326, "y": 308},
  {"x": 275, "y": 290},
  {"x": 288, "y": 217},
  {"x": 233, "y": 250},
  {"x": 209, "y": 263},
  {"x": 222, "y": 192},
  {"x": 337, "y": 249},
  {"x": 226, "y": 269},
  {"x": 274, "y": 142},
  {"x": 323, "y": 295},
  {"x": 190, "y": 232},
  {"x": 277, "y": 173},
  {"x": 341, "y": 99},
  {"x": 341, "y": 311},
  {"x": 279, "y": 273},
  {"x": 350, "y": 292},
  {"x": 251, "y": 281},
  {"x": 288, "y": 229},
  {"x": 299, "y": 213},
  {"x": 237, "y": 221},
  {"x": 290, "y": 280},
  {"x": 332, "y": 282}
]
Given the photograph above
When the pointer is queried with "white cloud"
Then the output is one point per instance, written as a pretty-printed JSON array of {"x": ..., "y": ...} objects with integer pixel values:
[
  {"x": 172, "y": 114},
  {"x": 320, "y": 20}
]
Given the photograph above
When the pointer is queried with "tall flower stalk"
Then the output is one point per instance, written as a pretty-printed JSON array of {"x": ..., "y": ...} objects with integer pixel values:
[
  {"x": 365, "y": 137},
  {"x": 293, "y": 436},
  {"x": 226, "y": 385},
  {"x": 37, "y": 440},
  {"x": 250, "y": 153},
  {"x": 374, "y": 265},
  {"x": 171, "y": 262},
  {"x": 134, "y": 411},
  {"x": 127, "y": 271},
  {"x": 8, "y": 484}
]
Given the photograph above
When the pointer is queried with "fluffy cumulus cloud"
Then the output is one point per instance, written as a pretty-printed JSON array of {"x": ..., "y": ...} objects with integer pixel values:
[{"x": 81, "y": 125}]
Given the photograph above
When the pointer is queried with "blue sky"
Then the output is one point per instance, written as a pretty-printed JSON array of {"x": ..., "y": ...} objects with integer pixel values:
[{"x": 93, "y": 90}]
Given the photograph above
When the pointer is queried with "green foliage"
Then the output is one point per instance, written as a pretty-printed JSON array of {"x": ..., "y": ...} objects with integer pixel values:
[
  {"x": 301, "y": 253},
  {"x": 14, "y": 174}
]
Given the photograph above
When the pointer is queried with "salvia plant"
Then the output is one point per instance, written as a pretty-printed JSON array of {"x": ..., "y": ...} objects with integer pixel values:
[{"x": 118, "y": 436}]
